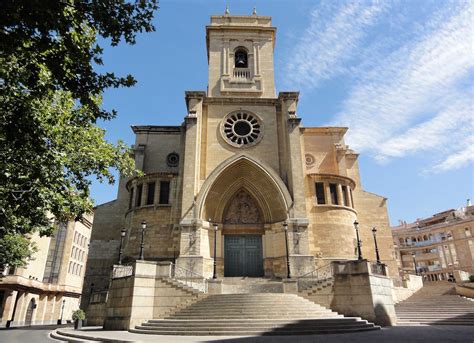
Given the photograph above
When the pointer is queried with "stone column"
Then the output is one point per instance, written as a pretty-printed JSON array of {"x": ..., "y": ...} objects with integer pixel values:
[
  {"x": 301, "y": 262},
  {"x": 9, "y": 302},
  {"x": 194, "y": 242}
]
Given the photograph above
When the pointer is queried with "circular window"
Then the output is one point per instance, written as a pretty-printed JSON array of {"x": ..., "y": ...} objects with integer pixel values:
[
  {"x": 172, "y": 159},
  {"x": 310, "y": 160},
  {"x": 242, "y": 129}
]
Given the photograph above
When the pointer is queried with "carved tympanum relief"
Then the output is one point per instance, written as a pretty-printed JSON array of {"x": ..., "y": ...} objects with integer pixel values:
[{"x": 242, "y": 210}]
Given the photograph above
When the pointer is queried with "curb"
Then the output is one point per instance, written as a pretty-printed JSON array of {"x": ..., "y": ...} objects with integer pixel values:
[{"x": 63, "y": 336}]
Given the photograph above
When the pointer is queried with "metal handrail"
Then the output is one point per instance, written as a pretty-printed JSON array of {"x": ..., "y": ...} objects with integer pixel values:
[
  {"x": 189, "y": 278},
  {"x": 122, "y": 271},
  {"x": 320, "y": 274}
]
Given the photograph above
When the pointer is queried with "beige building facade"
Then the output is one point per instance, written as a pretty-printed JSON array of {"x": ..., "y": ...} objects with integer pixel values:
[
  {"x": 439, "y": 245},
  {"x": 239, "y": 167},
  {"x": 49, "y": 288}
]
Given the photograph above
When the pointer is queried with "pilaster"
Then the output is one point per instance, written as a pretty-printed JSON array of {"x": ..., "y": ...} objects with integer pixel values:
[
  {"x": 288, "y": 102},
  {"x": 192, "y": 146}
]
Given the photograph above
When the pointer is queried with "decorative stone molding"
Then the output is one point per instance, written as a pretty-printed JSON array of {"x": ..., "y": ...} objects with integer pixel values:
[
  {"x": 310, "y": 160},
  {"x": 242, "y": 210}
]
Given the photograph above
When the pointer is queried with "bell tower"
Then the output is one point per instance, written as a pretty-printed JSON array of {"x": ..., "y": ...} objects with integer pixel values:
[{"x": 240, "y": 56}]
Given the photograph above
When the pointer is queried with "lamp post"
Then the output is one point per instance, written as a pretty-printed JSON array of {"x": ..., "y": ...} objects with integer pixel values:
[
  {"x": 214, "y": 273},
  {"x": 142, "y": 245},
  {"x": 62, "y": 312},
  {"x": 123, "y": 232},
  {"x": 359, "y": 252},
  {"x": 414, "y": 262},
  {"x": 374, "y": 231},
  {"x": 285, "y": 227}
]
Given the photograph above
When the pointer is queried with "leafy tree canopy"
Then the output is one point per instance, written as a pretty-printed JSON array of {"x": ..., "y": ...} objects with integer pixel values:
[{"x": 50, "y": 101}]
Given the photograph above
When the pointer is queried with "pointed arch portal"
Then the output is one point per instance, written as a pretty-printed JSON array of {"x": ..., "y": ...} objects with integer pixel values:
[
  {"x": 243, "y": 194},
  {"x": 261, "y": 182}
]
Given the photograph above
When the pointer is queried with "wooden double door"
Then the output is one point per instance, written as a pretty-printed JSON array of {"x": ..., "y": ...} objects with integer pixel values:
[{"x": 243, "y": 255}]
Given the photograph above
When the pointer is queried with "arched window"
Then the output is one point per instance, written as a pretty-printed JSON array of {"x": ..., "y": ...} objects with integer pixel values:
[{"x": 241, "y": 58}]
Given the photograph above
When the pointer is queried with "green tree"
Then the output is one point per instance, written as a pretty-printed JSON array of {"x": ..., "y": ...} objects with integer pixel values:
[{"x": 50, "y": 102}]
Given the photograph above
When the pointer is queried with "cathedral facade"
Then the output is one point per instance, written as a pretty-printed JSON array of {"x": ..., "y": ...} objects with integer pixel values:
[{"x": 241, "y": 181}]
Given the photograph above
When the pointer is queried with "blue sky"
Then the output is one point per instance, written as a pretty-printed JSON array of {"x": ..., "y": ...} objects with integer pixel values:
[{"x": 399, "y": 74}]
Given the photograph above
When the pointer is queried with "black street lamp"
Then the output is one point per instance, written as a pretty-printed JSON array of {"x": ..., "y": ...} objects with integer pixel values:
[
  {"x": 123, "y": 232},
  {"x": 285, "y": 227},
  {"x": 359, "y": 252},
  {"x": 214, "y": 273},
  {"x": 374, "y": 231},
  {"x": 414, "y": 262},
  {"x": 142, "y": 245}
]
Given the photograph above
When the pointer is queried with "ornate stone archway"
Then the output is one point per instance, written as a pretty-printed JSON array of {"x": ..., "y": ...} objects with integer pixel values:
[{"x": 261, "y": 182}]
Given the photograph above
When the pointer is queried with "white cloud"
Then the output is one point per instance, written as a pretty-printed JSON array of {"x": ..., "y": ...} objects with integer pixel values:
[
  {"x": 326, "y": 44},
  {"x": 412, "y": 100},
  {"x": 457, "y": 159}
]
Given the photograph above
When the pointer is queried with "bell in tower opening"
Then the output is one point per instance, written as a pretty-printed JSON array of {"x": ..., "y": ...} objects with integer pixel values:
[{"x": 241, "y": 59}]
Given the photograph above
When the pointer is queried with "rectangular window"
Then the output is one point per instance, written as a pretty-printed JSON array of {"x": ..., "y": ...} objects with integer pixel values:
[
  {"x": 454, "y": 254},
  {"x": 333, "y": 191},
  {"x": 130, "y": 203},
  {"x": 150, "y": 198},
  {"x": 138, "y": 201},
  {"x": 471, "y": 247},
  {"x": 345, "y": 194},
  {"x": 467, "y": 232},
  {"x": 320, "y": 196},
  {"x": 164, "y": 192}
]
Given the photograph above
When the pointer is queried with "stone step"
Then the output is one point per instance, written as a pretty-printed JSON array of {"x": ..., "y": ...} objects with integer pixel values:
[
  {"x": 435, "y": 304},
  {"x": 256, "y": 313},
  {"x": 330, "y": 321},
  {"x": 460, "y": 318},
  {"x": 230, "y": 325},
  {"x": 444, "y": 322},
  {"x": 254, "y": 306},
  {"x": 245, "y": 328},
  {"x": 263, "y": 316},
  {"x": 247, "y": 332},
  {"x": 428, "y": 312},
  {"x": 249, "y": 309}
]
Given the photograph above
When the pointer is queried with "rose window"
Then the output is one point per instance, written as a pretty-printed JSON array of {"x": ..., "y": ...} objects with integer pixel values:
[{"x": 242, "y": 129}]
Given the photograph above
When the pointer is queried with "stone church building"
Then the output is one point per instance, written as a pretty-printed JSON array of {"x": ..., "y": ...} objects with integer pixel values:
[{"x": 241, "y": 168}]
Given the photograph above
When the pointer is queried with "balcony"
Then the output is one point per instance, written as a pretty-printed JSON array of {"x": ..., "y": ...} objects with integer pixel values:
[
  {"x": 242, "y": 73},
  {"x": 421, "y": 257}
]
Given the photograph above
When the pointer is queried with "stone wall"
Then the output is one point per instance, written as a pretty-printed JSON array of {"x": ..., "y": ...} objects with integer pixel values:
[
  {"x": 359, "y": 293},
  {"x": 148, "y": 293},
  {"x": 411, "y": 284},
  {"x": 466, "y": 289}
]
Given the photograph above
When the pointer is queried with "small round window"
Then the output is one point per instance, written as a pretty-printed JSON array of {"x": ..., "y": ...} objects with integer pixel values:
[
  {"x": 242, "y": 129},
  {"x": 172, "y": 160}
]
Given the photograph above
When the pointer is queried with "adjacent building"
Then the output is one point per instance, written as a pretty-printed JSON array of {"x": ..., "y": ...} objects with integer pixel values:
[
  {"x": 49, "y": 288},
  {"x": 437, "y": 246}
]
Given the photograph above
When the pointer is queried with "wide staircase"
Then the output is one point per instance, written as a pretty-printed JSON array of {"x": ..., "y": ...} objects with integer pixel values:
[
  {"x": 253, "y": 314},
  {"x": 435, "y": 304}
]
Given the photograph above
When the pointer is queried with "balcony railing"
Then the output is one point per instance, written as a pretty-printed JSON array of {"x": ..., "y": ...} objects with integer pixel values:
[{"x": 242, "y": 73}]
